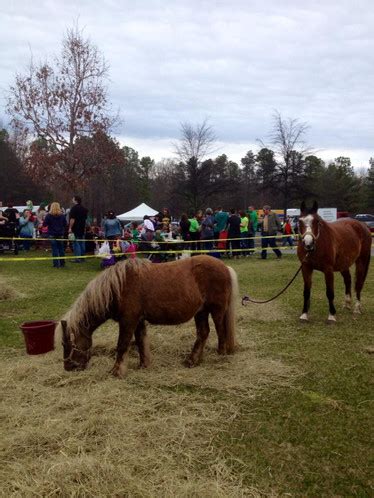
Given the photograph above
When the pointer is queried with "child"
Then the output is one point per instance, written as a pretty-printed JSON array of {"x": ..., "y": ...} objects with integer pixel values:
[{"x": 287, "y": 230}]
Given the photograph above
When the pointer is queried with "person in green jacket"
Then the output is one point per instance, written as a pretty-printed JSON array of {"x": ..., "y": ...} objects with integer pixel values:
[
  {"x": 194, "y": 230},
  {"x": 253, "y": 224},
  {"x": 221, "y": 218}
]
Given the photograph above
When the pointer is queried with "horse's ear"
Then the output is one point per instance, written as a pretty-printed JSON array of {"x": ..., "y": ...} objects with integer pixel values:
[
  {"x": 302, "y": 208},
  {"x": 315, "y": 207}
]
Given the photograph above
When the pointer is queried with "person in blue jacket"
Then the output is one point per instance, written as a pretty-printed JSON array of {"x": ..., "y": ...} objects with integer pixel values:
[{"x": 55, "y": 221}]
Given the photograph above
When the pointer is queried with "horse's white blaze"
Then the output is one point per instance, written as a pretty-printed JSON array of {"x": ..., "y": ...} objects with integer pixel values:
[
  {"x": 331, "y": 318},
  {"x": 357, "y": 307},
  {"x": 304, "y": 316},
  {"x": 307, "y": 220},
  {"x": 308, "y": 238}
]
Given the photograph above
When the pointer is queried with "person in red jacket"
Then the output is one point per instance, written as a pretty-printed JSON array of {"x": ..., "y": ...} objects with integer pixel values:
[{"x": 287, "y": 230}]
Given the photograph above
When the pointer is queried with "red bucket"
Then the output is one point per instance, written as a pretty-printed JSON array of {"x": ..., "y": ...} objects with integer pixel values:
[{"x": 39, "y": 336}]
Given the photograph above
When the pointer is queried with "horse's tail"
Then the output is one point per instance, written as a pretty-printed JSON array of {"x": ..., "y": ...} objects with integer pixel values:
[
  {"x": 367, "y": 261},
  {"x": 230, "y": 316}
]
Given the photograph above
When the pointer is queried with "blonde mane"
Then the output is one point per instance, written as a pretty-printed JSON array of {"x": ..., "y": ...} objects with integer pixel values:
[{"x": 98, "y": 296}]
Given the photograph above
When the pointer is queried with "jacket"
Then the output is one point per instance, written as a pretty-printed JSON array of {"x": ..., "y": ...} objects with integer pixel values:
[{"x": 274, "y": 225}]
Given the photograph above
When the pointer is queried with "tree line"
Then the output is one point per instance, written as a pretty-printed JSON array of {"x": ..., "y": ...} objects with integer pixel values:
[{"x": 61, "y": 141}]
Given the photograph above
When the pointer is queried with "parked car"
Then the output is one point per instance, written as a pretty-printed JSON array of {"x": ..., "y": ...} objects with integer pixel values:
[{"x": 368, "y": 219}]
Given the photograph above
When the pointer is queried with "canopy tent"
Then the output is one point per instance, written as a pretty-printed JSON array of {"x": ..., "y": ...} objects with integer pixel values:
[{"x": 137, "y": 213}]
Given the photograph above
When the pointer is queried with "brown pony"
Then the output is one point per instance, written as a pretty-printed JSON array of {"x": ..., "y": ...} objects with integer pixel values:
[
  {"x": 137, "y": 291},
  {"x": 332, "y": 247}
]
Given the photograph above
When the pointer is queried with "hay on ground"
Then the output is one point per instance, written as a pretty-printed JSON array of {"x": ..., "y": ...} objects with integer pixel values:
[
  {"x": 154, "y": 433},
  {"x": 7, "y": 292}
]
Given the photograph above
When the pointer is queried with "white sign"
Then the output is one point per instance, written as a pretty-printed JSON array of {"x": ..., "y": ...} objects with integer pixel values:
[{"x": 327, "y": 214}]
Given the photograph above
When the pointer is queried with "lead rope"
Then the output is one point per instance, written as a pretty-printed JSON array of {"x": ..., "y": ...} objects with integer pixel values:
[{"x": 246, "y": 298}]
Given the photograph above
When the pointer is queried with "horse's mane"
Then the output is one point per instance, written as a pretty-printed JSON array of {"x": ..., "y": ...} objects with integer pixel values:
[{"x": 96, "y": 299}]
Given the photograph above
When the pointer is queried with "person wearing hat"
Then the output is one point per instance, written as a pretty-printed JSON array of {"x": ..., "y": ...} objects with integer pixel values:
[{"x": 269, "y": 228}]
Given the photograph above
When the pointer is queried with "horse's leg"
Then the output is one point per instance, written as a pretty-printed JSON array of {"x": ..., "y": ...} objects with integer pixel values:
[
  {"x": 361, "y": 272},
  {"x": 202, "y": 332},
  {"x": 329, "y": 279},
  {"x": 307, "y": 276},
  {"x": 219, "y": 322},
  {"x": 348, "y": 288},
  {"x": 126, "y": 331},
  {"x": 142, "y": 343}
]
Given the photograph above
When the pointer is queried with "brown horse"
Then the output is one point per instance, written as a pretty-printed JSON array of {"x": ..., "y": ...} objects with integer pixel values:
[
  {"x": 332, "y": 247},
  {"x": 137, "y": 291}
]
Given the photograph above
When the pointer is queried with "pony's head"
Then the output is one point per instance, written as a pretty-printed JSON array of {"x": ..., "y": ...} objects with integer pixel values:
[
  {"x": 309, "y": 226},
  {"x": 77, "y": 348}
]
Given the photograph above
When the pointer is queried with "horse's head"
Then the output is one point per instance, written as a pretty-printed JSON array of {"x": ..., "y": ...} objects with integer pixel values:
[
  {"x": 77, "y": 348},
  {"x": 309, "y": 226}
]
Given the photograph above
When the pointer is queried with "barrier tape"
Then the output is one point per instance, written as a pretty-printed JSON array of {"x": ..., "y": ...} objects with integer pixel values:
[
  {"x": 118, "y": 255},
  {"x": 173, "y": 241},
  {"x": 159, "y": 252},
  {"x": 180, "y": 241}
]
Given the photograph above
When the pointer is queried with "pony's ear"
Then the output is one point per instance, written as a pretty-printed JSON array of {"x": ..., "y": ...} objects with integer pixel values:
[
  {"x": 302, "y": 208},
  {"x": 315, "y": 207}
]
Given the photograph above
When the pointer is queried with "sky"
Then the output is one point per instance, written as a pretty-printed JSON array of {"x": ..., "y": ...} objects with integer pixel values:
[{"x": 232, "y": 62}]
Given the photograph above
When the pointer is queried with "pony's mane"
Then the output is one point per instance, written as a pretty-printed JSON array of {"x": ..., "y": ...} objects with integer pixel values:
[{"x": 97, "y": 298}]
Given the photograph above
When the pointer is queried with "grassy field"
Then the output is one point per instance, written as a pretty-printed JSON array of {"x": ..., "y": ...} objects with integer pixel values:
[{"x": 290, "y": 414}]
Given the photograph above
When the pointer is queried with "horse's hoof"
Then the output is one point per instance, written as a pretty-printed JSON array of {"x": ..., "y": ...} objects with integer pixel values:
[
  {"x": 331, "y": 320},
  {"x": 357, "y": 309},
  {"x": 304, "y": 318}
]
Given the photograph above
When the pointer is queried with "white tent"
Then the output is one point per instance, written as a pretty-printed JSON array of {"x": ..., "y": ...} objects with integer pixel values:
[{"x": 137, "y": 213}]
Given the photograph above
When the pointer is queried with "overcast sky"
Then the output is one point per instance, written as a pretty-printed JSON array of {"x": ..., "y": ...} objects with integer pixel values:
[{"x": 233, "y": 62}]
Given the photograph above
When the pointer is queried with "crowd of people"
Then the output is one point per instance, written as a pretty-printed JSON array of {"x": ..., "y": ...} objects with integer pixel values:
[{"x": 217, "y": 232}]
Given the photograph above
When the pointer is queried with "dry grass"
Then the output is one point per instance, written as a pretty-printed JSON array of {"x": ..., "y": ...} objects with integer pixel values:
[
  {"x": 7, "y": 292},
  {"x": 152, "y": 434}
]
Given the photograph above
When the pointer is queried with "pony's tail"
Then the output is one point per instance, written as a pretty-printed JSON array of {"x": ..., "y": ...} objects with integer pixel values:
[{"x": 230, "y": 316}]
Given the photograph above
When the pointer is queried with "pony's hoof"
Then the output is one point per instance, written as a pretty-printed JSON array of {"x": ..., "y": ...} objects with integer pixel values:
[
  {"x": 304, "y": 318},
  {"x": 143, "y": 365},
  {"x": 189, "y": 363},
  {"x": 331, "y": 320},
  {"x": 116, "y": 371}
]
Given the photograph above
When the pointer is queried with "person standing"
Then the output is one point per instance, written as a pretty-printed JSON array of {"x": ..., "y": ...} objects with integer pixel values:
[
  {"x": 269, "y": 228},
  {"x": 112, "y": 228},
  {"x": 244, "y": 233},
  {"x": 194, "y": 230},
  {"x": 77, "y": 227},
  {"x": 166, "y": 218},
  {"x": 253, "y": 224},
  {"x": 27, "y": 223},
  {"x": 207, "y": 230},
  {"x": 184, "y": 226},
  {"x": 55, "y": 222},
  {"x": 287, "y": 229},
  {"x": 233, "y": 234},
  {"x": 221, "y": 218}
]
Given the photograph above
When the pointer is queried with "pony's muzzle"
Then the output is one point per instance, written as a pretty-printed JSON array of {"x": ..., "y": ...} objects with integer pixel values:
[
  {"x": 71, "y": 366},
  {"x": 77, "y": 360}
]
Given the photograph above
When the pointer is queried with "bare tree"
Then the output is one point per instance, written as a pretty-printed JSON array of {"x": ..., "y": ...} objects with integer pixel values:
[
  {"x": 196, "y": 141},
  {"x": 287, "y": 141},
  {"x": 59, "y": 104}
]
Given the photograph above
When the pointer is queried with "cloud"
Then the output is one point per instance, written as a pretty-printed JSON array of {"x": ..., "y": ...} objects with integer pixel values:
[{"x": 232, "y": 62}]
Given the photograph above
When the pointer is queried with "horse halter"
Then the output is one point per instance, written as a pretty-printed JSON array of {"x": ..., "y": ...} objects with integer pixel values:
[
  {"x": 314, "y": 237},
  {"x": 86, "y": 353}
]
